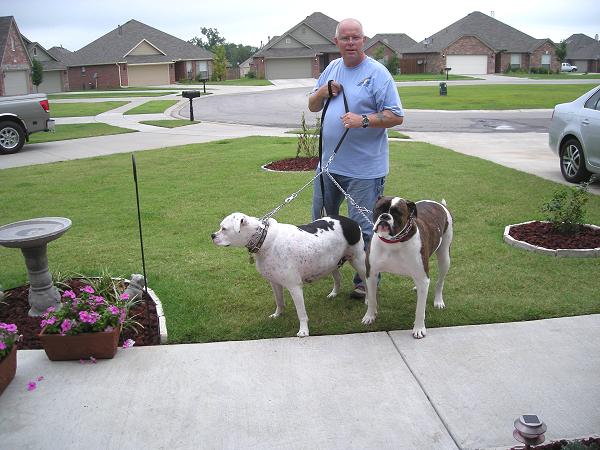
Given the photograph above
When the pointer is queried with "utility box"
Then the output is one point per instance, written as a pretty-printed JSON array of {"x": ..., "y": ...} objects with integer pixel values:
[{"x": 443, "y": 89}]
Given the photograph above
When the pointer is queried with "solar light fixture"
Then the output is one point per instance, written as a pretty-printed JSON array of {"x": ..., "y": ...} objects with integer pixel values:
[{"x": 529, "y": 430}]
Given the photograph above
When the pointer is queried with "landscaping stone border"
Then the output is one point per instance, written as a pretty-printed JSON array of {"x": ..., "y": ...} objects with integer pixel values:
[
  {"x": 162, "y": 320},
  {"x": 560, "y": 253}
]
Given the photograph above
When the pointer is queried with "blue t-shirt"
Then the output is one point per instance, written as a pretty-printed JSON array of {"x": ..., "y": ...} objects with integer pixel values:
[{"x": 369, "y": 88}]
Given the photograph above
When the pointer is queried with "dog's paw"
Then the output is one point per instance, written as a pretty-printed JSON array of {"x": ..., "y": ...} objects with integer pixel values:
[
  {"x": 302, "y": 333},
  {"x": 439, "y": 303},
  {"x": 275, "y": 315},
  {"x": 368, "y": 318},
  {"x": 419, "y": 332},
  {"x": 332, "y": 294}
]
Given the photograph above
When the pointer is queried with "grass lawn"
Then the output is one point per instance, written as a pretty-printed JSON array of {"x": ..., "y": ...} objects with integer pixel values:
[
  {"x": 212, "y": 294},
  {"x": 169, "y": 123},
  {"x": 431, "y": 77},
  {"x": 242, "y": 82},
  {"x": 76, "y": 131},
  {"x": 82, "y": 109},
  {"x": 516, "y": 96},
  {"x": 92, "y": 94},
  {"x": 554, "y": 76},
  {"x": 152, "y": 107}
]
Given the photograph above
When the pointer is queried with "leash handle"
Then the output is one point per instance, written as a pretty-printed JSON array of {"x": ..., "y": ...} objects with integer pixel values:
[{"x": 339, "y": 144}]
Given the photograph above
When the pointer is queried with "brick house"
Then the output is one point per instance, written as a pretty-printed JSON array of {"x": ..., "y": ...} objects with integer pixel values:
[
  {"x": 135, "y": 54},
  {"x": 55, "y": 77},
  {"x": 480, "y": 44},
  {"x": 583, "y": 52},
  {"x": 15, "y": 63},
  {"x": 392, "y": 44},
  {"x": 301, "y": 52}
]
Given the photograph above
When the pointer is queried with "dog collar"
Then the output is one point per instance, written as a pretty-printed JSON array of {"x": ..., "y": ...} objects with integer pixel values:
[
  {"x": 403, "y": 235},
  {"x": 258, "y": 238}
]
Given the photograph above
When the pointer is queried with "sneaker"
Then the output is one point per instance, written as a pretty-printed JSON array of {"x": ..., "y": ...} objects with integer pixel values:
[{"x": 359, "y": 292}]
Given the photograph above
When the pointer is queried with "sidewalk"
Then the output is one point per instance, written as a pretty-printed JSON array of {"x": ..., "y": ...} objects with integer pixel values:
[{"x": 460, "y": 387}]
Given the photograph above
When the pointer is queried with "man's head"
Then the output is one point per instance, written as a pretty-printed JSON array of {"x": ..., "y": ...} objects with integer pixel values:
[{"x": 350, "y": 40}]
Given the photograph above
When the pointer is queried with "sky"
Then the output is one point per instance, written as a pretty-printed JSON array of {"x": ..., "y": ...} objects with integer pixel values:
[{"x": 74, "y": 24}]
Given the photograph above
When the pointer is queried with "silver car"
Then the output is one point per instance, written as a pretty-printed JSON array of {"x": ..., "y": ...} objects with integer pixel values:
[{"x": 575, "y": 136}]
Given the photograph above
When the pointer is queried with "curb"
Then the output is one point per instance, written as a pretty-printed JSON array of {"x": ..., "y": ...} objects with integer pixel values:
[{"x": 560, "y": 253}]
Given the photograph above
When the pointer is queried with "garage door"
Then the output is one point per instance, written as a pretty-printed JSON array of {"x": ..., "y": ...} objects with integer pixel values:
[
  {"x": 582, "y": 65},
  {"x": 148, "y": 74},
  {"x": 467, "y": 64},
  {"x": 283, "y": 68},
  {"x": 50, "y": 83},
  {"x": 15, "y": 82}
]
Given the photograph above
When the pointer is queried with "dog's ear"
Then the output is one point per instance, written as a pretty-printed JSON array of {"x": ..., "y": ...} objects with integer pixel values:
[
  {"x": 412, "y": 209},
  {"x": 238, "y": 222}
]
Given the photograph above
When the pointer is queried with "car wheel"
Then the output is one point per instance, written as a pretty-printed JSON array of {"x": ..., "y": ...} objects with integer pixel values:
[
  {"x": 572, "y": 162},
  {"x": 12, "y": 137}
]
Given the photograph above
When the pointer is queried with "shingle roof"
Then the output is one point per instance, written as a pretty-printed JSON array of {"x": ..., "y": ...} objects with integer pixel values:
[
  {"x": 113, "y": 46},
  {"x": 319, "y": 22},
  {"x": 61, "y": 54},
  {"x": 54, "y": 64},
  {"x": 580, "y": 46},
  {"x": 4, "y": 29},
  {"x": 397, "y": 41},
  {"x": 493, "y": 33}
]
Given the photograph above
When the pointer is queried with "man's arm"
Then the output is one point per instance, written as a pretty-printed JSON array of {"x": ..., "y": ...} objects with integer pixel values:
[
  {"x": 382, "y": 119},
  {"x": 316, "y": 100}
]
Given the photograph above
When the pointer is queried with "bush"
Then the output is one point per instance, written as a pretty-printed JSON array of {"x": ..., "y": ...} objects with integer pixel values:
[
  {"x": 251, "y": 74},
  {"x": 566, "y": 209},
  {"x": 308, "y": 140},
  {"x": 393, "y": 64},
  {"x": 540, "y": 70}
]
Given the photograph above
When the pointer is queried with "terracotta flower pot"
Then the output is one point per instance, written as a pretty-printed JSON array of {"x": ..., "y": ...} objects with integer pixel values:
[
  {"x": 100, "y": 345},
  {"x": 8, "y": 368}
]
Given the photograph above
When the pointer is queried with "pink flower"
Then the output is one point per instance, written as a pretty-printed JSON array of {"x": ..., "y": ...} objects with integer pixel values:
[
  {"x": 2, "y": 345},
  {"x": 97, "y": 299},
  {"x": 31, "y": 385},
  {"x": 123, "y": 315},
  {"x": 69, "y": 294},
  {"x": 92, "y": 360},
  {"x": 128, "y": 343},
  {"x": 89, "y": 317},
  {"x": 88, "y": 289},
  {"x": 113, "y": 310},
  {"x": 50, "y": 321},
  {"x": 65, "y": 326},
  {"x": 40, "y": 378},
  {"x": 124, "y": 296},
  {"x": 10, "y": 327}
]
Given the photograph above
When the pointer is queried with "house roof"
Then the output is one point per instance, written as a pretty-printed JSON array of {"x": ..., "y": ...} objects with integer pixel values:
[
  {"x": 53, "y": 64},
  {"x": 493, "y": 33},
  {"x": 396, "y": 41},
  {"x": 5, "y": 24},
  {"x": 320, "y": 23},
  {"x": 116, "y": 44},
  {"x": 580, "y": 46},
  {"x": 61, "y": 54}
]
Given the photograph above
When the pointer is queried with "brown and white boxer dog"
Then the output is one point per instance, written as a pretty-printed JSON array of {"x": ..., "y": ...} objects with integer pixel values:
[
  {"x": 406, "y": 235},
  {"x": 289, "y": 255}
]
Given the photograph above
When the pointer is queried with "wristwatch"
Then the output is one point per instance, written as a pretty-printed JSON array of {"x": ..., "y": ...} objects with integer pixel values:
[{"x": 365, "y": 121}]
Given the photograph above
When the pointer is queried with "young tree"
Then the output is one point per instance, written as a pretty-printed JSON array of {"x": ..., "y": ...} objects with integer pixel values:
[
  {"x": 220, "y": 64},
  {"x": 561, "y": 51},
  {"x": 37, "y": 73}
]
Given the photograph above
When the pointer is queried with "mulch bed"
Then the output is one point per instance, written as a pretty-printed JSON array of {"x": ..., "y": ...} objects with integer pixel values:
[
  {"x": 558, "y": 445},
  {"x": 543, "y": 235},
  {"x": 300, "y": 164},
  {"x": 14, "y": 308}
]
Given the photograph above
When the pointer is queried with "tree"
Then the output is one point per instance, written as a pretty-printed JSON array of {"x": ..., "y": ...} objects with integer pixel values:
[
  {"x": 393, "y": 64},
  {"x": 213, "y": 39},
  {"x": 37, "y": 73},
  {"x": 561, "y": 51},
  {"x": 238, "y": 53},
  {"x": 220, "y": 64},
  {"x": 379, "y": 54}
]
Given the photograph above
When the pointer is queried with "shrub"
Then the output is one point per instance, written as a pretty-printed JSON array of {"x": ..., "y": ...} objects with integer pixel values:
[
  {"x": 566, "y": 209},
  {"x": 251, "y": 74},
  {"x": 308, "y": 139}
]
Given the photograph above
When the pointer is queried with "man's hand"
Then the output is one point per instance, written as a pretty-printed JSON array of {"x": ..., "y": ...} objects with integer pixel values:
[{"x": 316, "y": 100}]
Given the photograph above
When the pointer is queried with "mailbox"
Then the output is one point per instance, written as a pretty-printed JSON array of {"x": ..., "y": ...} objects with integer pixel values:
[
  {"x": 443, "y": 89},
  {"x": 447, "y": 69},
  {"x": 191, "y": 95}
]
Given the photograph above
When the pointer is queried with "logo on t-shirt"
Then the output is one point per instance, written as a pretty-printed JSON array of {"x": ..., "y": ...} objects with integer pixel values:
[{"x": 365, "y": 82}]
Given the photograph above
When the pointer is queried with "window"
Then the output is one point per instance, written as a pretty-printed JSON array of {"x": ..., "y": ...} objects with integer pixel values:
[
  {"x": 34, "y": 51},
  {"x": 288, "y": 41},
  {"x": 82, "y": 70},
  {"x": 515, "y": 61},
  {"x": 594, "y": 101},
  {"x": 546, "y": 61},
  {"x": 12, "y": 44}
]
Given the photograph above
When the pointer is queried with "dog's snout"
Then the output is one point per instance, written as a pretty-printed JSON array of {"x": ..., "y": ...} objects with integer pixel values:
[
  {"x": 213, "y": 236},
  {"x": 385, "y": 216}
]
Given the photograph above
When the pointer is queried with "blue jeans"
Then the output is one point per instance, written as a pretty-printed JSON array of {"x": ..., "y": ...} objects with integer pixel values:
[{"x": 365, "y": 194}]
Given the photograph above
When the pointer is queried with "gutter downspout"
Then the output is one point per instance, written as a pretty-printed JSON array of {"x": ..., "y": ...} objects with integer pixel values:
[{"x": 119, "y": 70}]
